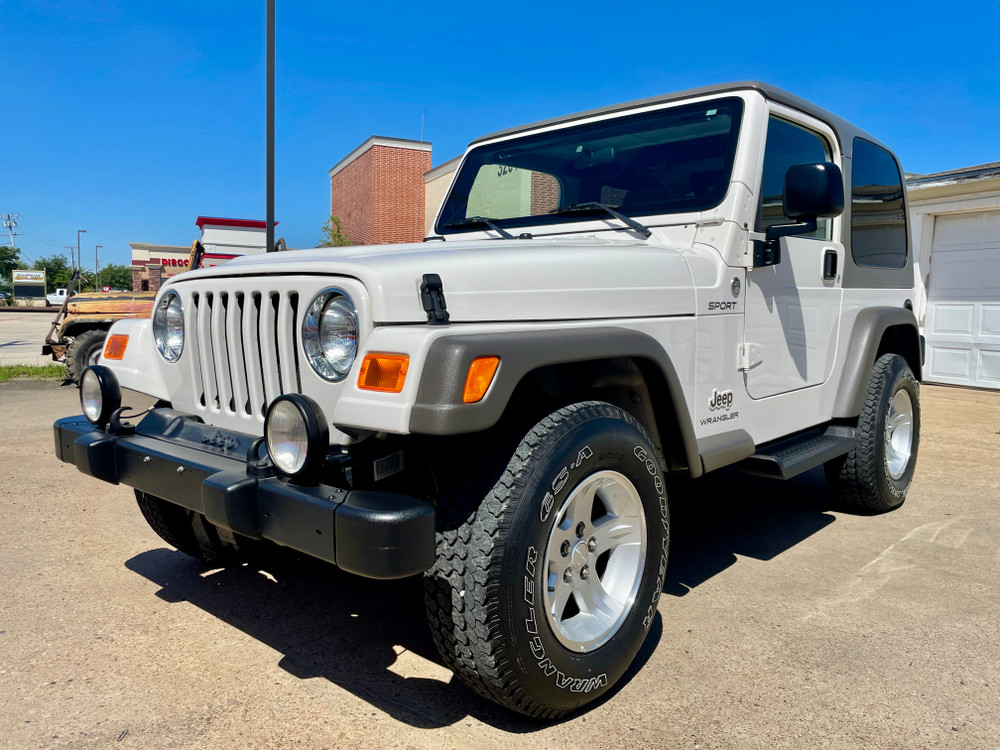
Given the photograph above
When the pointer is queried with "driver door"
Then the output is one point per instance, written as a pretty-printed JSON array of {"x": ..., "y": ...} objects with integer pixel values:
[{"x": 793, "y": 308}]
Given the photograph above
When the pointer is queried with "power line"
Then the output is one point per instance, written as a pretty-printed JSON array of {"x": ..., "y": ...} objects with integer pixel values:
[
  {"x": 34, "y": 237},
  {"x": 44, "y": 237}
]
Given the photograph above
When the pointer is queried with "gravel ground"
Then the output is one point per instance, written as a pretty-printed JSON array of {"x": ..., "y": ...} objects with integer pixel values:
[{"x": 787, "y": 622}]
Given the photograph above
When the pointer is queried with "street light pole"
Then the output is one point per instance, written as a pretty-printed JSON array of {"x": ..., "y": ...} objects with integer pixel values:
[
  {"x": 97, "y": 273},
  {"x": 78, "y": 256},
  {"x": 269, "y": 116}
]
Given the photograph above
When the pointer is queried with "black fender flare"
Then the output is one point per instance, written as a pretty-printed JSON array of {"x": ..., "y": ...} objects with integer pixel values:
[{"x": 439, "y": 410}]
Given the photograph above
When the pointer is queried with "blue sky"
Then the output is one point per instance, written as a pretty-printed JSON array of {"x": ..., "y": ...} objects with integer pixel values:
[{"x": 129, "y": 119}]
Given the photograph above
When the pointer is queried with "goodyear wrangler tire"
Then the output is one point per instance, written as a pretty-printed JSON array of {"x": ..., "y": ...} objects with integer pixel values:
[
  {"x": 563, "y": 564},
  {"x": 192, "y": 533},
  {"x": 877, "y": 473}
]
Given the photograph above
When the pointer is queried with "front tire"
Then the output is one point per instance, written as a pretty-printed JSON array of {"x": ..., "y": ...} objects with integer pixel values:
[
  {"x": 192, "y": 533},
  {"x": 563, "y": 566},
  {"x": 877, "y": 473}
]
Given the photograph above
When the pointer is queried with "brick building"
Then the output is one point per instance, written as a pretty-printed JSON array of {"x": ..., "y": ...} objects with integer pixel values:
[{"x": 377, "y": 191}]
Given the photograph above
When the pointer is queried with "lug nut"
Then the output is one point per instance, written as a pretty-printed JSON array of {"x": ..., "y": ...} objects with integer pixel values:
[
  {"x": 592, "y": 543},
  {"x": 564, "y": 549},
  {"x": 580, "y": 528},
  {"x": 568, "y": 575},
  {"x": 585, "y": 572}
]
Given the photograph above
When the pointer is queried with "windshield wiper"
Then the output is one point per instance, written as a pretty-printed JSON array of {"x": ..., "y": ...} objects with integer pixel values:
[
  {"x": 594, "y": 206},
  {"x": 480, "y": 221}
]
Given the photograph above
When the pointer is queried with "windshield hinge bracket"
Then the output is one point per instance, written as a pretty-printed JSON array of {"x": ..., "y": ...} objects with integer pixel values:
[
  {"x": 749, "y": 356},
  {"x": 432, "y": 298}
]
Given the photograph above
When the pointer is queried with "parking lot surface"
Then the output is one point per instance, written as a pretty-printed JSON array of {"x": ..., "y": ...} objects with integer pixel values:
[
  {"x": 787, "y": 622},
  {"x": 22, "y": 334}
]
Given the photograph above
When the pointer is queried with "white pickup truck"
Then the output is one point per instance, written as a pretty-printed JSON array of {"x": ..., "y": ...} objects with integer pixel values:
[
  {"x": 57, "y": 297},
  {"x": 712, "y": 278}
]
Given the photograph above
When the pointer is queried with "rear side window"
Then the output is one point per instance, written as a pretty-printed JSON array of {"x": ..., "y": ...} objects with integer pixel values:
[
  {"x": 787, "y": 145},
  {"x": 878, "y": 219}
]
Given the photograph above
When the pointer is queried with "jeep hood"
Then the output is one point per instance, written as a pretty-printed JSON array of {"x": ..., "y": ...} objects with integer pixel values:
[
  {"x": 111, "y": 303},
  {"x": 498, "y": 280}
]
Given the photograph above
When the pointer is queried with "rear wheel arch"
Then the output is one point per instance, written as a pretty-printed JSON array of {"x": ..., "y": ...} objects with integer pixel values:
[
  {"x": 904, "y": 341},
  {"x": 876, "y": 331}
]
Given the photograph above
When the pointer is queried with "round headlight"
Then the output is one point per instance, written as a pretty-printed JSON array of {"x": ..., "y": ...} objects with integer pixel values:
[
  {"x": 296, "y": 435},
  {"x": 168, "y": 326},
  {"x": 330, "y": 334},
  {"x": 100, "y": 394}
]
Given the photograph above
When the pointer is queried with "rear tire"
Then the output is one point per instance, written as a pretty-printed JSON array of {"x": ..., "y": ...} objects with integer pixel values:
[
  {"x": 544, "y": 594},
  {"x": 83, "y": 352},
  {"x": 192, "y": 533},
  {"x": 877, "y": 473}
]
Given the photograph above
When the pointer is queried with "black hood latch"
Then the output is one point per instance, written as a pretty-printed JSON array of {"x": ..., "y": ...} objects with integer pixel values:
[{"x": 432, "y": 298}]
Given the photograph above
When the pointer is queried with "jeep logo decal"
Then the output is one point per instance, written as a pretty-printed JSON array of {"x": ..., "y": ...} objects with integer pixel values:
[{"x": 720, "y": 400}]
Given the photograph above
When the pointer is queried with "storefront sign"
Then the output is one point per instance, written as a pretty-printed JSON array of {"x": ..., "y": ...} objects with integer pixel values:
[{"x": 29, "y": 277}]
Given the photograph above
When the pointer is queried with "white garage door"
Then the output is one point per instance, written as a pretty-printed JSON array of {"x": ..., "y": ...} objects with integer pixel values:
[{"x": 963, "y": 301}]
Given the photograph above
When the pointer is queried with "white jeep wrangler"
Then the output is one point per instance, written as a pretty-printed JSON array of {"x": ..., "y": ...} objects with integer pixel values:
[{"x": 678, "y": 284}]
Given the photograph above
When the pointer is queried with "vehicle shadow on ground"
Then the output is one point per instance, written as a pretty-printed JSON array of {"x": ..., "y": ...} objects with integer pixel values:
[
  {"x": 727, "y": 514},
  {"x": 363, "y": 635}
]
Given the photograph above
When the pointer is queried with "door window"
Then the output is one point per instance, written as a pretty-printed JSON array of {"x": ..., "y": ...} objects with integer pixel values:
[{"x": 788, "y": 144}]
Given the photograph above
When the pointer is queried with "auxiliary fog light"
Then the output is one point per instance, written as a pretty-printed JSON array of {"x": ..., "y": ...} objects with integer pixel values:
[
  {"x": 100, "y": 395},
  {"x": 297, "y": 436}
]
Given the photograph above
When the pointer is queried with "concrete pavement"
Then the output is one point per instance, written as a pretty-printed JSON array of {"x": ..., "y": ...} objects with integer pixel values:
[
  {"x": 787, "y": 622},
  {"x": 22, "y": 334}
]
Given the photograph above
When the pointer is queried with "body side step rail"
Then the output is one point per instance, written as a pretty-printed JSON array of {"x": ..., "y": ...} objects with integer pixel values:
[{"x": 787, "y": 458}]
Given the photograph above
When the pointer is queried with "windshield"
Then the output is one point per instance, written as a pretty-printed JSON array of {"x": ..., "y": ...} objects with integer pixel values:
[{"x": 667, "y": 161}]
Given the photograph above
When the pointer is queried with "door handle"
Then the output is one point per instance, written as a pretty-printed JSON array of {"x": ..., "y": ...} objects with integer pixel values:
[{"x": 829, "y": 265}]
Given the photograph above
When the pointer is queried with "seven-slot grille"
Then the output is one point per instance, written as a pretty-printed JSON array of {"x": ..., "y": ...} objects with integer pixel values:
[{"x": 246, "y": 349}]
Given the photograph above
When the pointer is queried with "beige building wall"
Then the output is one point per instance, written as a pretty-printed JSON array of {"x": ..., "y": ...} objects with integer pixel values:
[{"x": 436, "y": 184}]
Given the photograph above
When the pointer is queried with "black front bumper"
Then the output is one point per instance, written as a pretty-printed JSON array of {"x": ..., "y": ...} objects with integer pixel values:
[{"x": 177, "y": 458}]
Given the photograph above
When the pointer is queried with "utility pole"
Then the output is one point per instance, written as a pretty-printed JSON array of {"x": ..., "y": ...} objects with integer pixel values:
[
  {"x": 72, "y": 260},
  {"x": 79, "y": 257},
  {"x": 10, "y": 224},
  {"x": 269, "y": 116},
  {"x": 97, "y": 273}
]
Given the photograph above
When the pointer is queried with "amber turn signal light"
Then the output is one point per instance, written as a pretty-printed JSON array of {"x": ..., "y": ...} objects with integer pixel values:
[
  {"x": 477, "y": 382},
  {"x": 115, "y": 346},
  {"x": 383, "y": 372}
]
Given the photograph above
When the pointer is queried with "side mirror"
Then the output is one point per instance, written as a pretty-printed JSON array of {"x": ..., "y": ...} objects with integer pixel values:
[{"x": 811, "y": 191}]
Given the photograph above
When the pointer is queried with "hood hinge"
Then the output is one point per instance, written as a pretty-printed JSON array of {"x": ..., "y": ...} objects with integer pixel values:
[{"x": 432, "y": 298}]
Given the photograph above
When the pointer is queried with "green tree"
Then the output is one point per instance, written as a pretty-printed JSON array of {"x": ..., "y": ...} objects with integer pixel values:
[
  {"x": 116, "y": 276},
  {"x": 57, "y": 271},
  {"x": 333, "y": 233},
  {"x": 10, "y": 259}
]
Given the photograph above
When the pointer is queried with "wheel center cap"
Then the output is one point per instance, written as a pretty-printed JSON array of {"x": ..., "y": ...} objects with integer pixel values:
[{"x": 580, "y": 554}]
